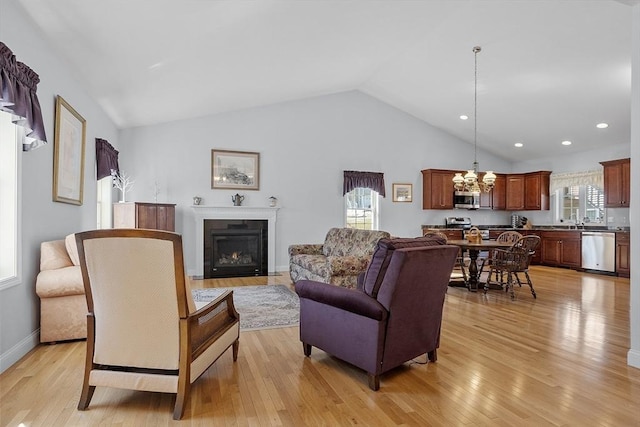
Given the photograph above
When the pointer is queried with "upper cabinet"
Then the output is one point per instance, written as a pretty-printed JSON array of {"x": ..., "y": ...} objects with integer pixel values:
[
  {"x": 616, "y": 183},
  {"x": 536, "y": 191},
  {"x": 515, "y": 192},
  {"x": 437, "y": 189},
  {"x": 497, "y": 198}
]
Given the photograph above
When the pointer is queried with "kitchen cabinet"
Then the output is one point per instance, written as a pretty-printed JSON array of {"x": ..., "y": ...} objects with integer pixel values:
[
  {"x": 437, "y": 189},
  {"x": 617, "y": 183},
  {"x": 561, "y": 248},
  {"x": 157, "y": 216},
  {"x": 536, "y": 191},
  {"x": 623, "y": 260},
  {"x": 514, "y": 188},
  {"x": 452, "y": 234},
  {"x": 496, "y": 199},
  {"x": 527, "y": 191}
]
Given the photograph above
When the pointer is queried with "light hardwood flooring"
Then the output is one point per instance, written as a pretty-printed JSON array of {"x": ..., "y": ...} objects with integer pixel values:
[{"x": 559, "y": 360}]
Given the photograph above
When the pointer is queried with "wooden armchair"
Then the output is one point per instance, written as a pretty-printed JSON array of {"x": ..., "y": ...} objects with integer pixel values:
[{"x": 143, "y": 331}]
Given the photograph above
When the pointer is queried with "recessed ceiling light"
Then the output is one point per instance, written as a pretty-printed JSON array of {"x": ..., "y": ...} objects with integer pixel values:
[
  {"x": 566, "y": 142},
  {"x": 464, "y": 117},
  {"x": 518, "y": 144},
  {"x": 602, "y": 125}
]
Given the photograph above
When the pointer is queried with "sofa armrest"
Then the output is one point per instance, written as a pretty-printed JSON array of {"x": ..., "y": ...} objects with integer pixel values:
[
  {"x": 347, "y": 265},
  {"x": 306, "y": 249},
  {"x": 350, "y": 300}
]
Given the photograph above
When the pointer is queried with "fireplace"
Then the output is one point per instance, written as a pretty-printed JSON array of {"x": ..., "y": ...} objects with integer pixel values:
[
  {"x": 235, "y": 248},
  {"x": 236, "y": 214}
]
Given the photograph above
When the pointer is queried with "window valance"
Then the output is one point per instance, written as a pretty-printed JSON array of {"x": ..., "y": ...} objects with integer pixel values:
[
  {"x": 561, "y": 180},
  {"x": 18, "y": 96},
  {"x": 355, "y": 179},
  {"x": 106, "y": 159}
]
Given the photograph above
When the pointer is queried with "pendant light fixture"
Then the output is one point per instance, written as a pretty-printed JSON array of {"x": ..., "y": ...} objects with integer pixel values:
[{"x": 469, "y": 182}]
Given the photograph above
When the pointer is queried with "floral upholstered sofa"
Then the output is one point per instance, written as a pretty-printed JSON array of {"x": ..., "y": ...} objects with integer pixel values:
[{"x": 344, "y": 255}]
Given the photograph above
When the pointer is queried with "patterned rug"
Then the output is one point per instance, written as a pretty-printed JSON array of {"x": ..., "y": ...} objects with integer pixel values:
[{"x": 260, "y": 307}]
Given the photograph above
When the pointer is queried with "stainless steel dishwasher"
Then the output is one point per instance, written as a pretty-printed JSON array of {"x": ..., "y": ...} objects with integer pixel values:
[{"x": 599, "y": 251}]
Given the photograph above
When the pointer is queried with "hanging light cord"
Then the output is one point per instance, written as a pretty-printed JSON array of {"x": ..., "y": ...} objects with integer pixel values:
[{"x": 476, "y": 49}]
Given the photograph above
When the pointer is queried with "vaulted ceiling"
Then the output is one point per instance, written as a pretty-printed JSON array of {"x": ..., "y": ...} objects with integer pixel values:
[{"x": 548, "y": 71}]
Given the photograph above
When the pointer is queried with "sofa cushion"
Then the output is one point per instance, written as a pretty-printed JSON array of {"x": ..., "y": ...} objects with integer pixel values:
[
  {"x": 316, "y": 263},
  {"x": 351, "y": 241},
  {"x": 53, "y": 255},
  {"x": 382, "y": 256},
  {"x": 72, "y": 248}
]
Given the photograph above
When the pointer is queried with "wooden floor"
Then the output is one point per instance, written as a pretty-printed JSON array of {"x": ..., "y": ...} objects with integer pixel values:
[{"x": 559, "y": 360}]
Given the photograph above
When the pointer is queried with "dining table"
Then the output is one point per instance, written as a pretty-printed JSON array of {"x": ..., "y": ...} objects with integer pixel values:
[{"x": 474, "y": 249}]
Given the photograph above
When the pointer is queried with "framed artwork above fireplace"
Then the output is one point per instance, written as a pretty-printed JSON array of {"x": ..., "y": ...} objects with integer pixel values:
[{"x": 235, "y": 170}]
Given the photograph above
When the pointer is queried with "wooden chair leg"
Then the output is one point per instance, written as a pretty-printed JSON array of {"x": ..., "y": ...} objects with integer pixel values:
[
  {"x": 533, "y": 292},
  {"x": 374, "y": 382},
  {"x": 236, "y": 346},
  {"x": 432, "y": 355},
  {"x": 85, "y": 396},
  {"x": 306, "y": 348},
  {"x": 181, "y": 399}
]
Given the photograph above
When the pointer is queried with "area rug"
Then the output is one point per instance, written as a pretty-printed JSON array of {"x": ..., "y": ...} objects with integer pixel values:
[{"x": 260, "y": 307}]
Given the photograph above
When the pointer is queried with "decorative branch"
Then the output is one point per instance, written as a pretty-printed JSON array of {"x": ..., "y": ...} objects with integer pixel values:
[{"x": 122, "y": 182}]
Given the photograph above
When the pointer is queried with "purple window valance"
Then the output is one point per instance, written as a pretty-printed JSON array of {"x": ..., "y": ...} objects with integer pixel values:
[
  {"x": 18, "y": 85},
  {"x": 355, "y": 179},
  {"x": 106, "y": 159}
]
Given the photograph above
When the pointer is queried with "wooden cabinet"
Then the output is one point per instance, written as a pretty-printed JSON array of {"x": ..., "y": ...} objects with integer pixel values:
[
  {"x": 528, "y": 191},
  {"x": 437, "y": 189},
  {"x": 496, "y": 199},
  {"x": 561, "y": 248},
  {"x": 617, "y": 183},
  {"x": 536, "y": 191},
  {"x": 158, "y": 216},
  {"x": 623, "y": 260},
  {"x": 514, "y": 189},
  {"x": 452, "y": 234}
]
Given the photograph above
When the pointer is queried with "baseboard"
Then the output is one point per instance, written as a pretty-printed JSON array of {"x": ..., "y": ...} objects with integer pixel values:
[
  {"x": 18, "y": 351},
  {"x": 633, "y": 358}
]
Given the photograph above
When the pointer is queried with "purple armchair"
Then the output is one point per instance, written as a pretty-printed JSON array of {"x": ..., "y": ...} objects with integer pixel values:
[{"x": 393, "y": 316}]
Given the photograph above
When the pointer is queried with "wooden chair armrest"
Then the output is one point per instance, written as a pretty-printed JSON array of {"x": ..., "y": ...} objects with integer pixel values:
[{"x": 211, "y": 321}]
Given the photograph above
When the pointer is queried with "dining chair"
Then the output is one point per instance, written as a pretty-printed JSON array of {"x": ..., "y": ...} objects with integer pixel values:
[
  {"x": 512, "y": 261},
  {"x": 505, "y": 237},
  {"x": 459, "y": 273}
]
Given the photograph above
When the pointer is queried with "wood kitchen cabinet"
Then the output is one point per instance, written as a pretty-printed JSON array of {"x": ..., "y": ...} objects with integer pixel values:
[
  {"x": 617, "y": 183},
  {"x": 561, "y": 248},
  {"x": 452, "y": 234},
  {"x": 514, "y": 188},
  {"x": 527, "y": 191},
  {"x": 623, "y": 260},
  {"x": 437, "y": 189},
  {"x": 157, "y": 216},
  {"x": 496, "y": 199}
]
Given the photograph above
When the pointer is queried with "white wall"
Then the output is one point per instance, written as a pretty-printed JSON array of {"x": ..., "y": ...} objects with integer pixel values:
[
  {"x": 43, "y": 219},
  {"x": 304, "y": 148},
  {"x": 634, "y": 315}
]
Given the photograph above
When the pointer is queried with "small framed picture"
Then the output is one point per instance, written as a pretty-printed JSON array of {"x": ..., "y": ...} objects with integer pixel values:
[
  {"x": 235, "y": 170},
  {"x": 402, "y": 192}
]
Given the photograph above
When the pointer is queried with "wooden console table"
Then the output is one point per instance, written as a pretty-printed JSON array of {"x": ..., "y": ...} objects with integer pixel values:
[{"x": 158, "y": 216}]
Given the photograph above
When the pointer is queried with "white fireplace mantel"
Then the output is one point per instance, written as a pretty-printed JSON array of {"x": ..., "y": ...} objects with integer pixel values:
[{"x": 201, "y": 213}]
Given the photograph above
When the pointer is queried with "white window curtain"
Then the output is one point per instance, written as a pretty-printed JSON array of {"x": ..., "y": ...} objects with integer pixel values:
[{"x": 561, "y": 180}]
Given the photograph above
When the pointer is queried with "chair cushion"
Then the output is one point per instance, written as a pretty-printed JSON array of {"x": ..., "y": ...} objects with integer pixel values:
[
  {"x": 382, "y": 256},
  {"x": 316, "y": 263}
]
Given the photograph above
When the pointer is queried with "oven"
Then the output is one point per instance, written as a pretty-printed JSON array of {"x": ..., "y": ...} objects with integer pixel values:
[{"x": 466, "y": 200}]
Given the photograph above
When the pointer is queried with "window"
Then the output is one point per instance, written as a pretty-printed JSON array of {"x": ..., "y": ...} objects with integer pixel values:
[
  {"x": 361, "y": 207},
  {"x": 581, "y": 203},
  {"x": 10, "y": 137}
]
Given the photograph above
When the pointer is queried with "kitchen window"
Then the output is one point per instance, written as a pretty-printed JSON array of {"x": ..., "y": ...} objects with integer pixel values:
[
  {"x": 10, "y": 137},
  {"x": 361, "y": 208},
  {"x": 581, "y": 204}
]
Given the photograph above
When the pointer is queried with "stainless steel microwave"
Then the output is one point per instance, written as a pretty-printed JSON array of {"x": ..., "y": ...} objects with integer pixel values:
[{"x": 466, "y": 200}]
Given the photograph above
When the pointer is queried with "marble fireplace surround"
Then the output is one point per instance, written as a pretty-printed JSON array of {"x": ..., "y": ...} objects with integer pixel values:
[{"x": 201, "y": 213}]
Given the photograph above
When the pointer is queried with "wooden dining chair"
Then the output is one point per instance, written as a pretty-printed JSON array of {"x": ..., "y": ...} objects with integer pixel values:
[
  {"x": 512, "y": 261},
  {"x": 505, "y": 237},
  {"x": 459, "y": 273}
]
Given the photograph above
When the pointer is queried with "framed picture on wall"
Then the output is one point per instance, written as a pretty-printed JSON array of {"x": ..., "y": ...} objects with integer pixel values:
[
  {"x": 68, "y": 156},
  {"x": 235, "y": 170},
  {"x": 402, "y": 192}
]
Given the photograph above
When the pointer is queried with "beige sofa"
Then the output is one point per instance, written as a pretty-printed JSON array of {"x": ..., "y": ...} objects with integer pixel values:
[
  {"x": 63, "y": 307},
  {"x": 343, "y": 256}
]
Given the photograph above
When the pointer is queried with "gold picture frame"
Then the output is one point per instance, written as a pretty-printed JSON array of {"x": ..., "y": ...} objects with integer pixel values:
[
  {"x": 235, "y": 170},
  {"x": 68, "y": 157},
  {"x": 402, "y": 192}
]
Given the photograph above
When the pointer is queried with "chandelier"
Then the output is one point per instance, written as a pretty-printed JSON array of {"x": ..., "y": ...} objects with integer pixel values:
[{"x": 470, "y": 181}]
